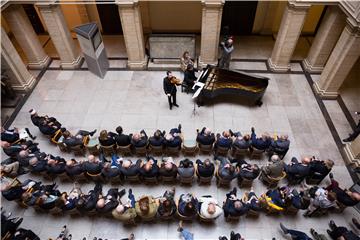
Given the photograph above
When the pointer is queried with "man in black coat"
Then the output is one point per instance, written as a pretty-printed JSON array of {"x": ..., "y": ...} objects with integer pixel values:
[
  {"x": 170, "y": 89},
  {"x": 205, "y": 168},
  {"x": 205, "y": 137},
  {"x": 122, "y": 139}
]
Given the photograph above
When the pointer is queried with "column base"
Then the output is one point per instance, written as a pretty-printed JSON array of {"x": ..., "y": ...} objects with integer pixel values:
[
  {"x": 138, "y": 65},
  {"x": 312, "y": 69},
  {"x": 74, "y": 64},
  {"x": 277, "y": 68},
  {"x": 25, "y": 87},
  {"x": 350, "y": 157},
  {"x": 40, "y": 64},
  {"x": 204, "y": 63},
  {"x": 324, "y": 94}
]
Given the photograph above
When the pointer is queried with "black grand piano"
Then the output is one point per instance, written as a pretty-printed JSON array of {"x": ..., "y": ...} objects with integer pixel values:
[{"x": 222, "y": 82}]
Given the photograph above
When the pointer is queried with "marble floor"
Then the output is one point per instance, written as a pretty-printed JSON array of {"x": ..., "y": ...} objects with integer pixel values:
[{"x": 135, "y": 100}]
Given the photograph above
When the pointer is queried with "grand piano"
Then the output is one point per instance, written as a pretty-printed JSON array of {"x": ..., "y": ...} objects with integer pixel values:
[{"x": 214, "y": 82}]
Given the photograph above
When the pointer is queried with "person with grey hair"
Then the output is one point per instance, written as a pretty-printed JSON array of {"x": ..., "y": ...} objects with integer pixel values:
[
  {"x": 205, "y": 136},
  {"x": 275, "y": 168},
  {"x": 227, "y": 49},
  {"x": 173, "y": 138},
  {"x": 139, "y": 139}
]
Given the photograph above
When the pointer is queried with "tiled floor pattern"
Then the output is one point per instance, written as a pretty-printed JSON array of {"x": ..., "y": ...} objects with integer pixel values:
[{"x": 135, "y": 100}]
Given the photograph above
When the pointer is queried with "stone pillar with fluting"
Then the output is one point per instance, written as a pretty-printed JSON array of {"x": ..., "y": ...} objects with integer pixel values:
[
  {"x": 60, "y": 35},
  {"x": 20, "y": 78},
  {"x": 210, "y": 31},
  {"x": 342, "y": 59},
  {"x": 25, "y": 35},
  {"x": 290, "y": 29},
  {"x": 130, "y": 17},
  {"x": 352, "y": 151},
  {"x": 325, "y": 39}
]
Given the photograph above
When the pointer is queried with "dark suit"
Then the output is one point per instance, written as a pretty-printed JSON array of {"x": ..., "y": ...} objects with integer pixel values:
[
  {"x": 109, "y": 141},
  {"x": 74, "y": 170},
  {"x": 176, "y": 142},
  {"x": 170, "y": 88},
  {"x": 123, "y": 140},
  {"x": 203, "y": 170},
  {"x": 153, "y": 172},
  {"x": 133, "y": 170},
  {"x": 190, "y": 78},
  {"x": 47, "y": 130},
  {"x": 259, "y": 143},
  {"x": 160, "y": 141},
  {"x": 205, "y": 139},
  {"x": 37, "y": 120},
  {"x": 57, "y": 168},
  {"x": 168, "y": 173},
  {"x": 92, "y": 168},
  {"x": 10, "y": 136},
  {"x": 223, "y": 142}
]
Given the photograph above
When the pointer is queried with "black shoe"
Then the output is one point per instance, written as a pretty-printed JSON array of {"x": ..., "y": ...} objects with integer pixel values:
[
  {"x": 332, "y": 225},
  {"x": 331, "y": 176},
  {"x": 232, "y": 234},
  {"x": 234, "y": 191},
  {"x": 252, "y": 129},
  {"x": 179, "y": 127},
  {"x": 122, "y": 193},
  {"x": 231, "y": 132},
  {"x": 130, "y": 191},
  {"x": 328, "y": 232},
  {"x": 175, "y": 105},
  {"x": 283, "y": 228},
  {"x": 170, "y": 107},
  {"x": 92, "y": 133}
]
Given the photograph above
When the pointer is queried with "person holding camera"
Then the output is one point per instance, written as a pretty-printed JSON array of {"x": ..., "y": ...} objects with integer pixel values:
[{"x": 356, "y": 132}]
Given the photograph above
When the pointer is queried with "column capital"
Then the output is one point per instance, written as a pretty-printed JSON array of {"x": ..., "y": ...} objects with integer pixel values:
[
  {"x": 297, "y": 5},
  {"x": 352, "y": 26},
  {"x": 212, "y": 3}
]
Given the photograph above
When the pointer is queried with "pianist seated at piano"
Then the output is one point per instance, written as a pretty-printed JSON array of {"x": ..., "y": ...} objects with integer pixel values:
[
  {"x": 224, "y": 140},
  {"x": 205, "y": 137},
  {"x": 189, "y": 77}
]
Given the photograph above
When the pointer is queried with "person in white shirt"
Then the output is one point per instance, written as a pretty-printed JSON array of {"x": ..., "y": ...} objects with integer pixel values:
[{"x": 209, "y": 208}]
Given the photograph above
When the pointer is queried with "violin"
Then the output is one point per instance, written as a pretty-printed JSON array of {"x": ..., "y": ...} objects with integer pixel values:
[{"x": 175, "y": 80}]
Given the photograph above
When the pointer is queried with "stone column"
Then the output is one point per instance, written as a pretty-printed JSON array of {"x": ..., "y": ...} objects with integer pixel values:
[
  {"x": 60, "y": 35},
  {"x": 210, "y": 31},
  {"x": 341, "y": 60},
  {"x": 133, "y": 33},
  {"x": 20, "y": 78},
  {"x": 26, "y": 37},
  {"x": 288, "y": 35},
  {"x": 325, "y": 40},
  {"x": 352, "y": 151}
]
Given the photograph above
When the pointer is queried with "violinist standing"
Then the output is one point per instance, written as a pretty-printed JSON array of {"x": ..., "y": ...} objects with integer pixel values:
[{"x": 170, "y": 83}]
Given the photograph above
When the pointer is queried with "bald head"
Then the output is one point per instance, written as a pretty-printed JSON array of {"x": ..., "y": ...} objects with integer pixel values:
[
  {"x": 211, "y": 208},
  {"x": 91, "y": 158},
  {"x": 207, "y": 131}
]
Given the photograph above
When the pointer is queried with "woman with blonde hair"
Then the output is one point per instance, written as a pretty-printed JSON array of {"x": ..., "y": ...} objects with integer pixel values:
[
  {"x": 185, "y": 60},
  {"x": 107, "y": 138}
]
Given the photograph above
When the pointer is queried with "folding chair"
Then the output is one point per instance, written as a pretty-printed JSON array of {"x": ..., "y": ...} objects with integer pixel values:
[
  {"x": 206, "y": 149},
  {"x": 156, "y": 150},
  {"x": 108, "y": 150},
  {"x": 256, "y": 153},
  {"x": 124, "y": 150}
]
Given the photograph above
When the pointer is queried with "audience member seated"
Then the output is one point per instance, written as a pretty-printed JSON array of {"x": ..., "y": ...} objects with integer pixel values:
[
  {"x": 189, "y": 76},
  {"x": 121, "y": 138},
  {"x": 320, "y": 199},
  {"x": 173, "y": 138},
  {"x": 50, "y": 200},
  {"x": 294, "y": 199},
  {"x": 72, "y": 198},
  {"x": 168, "y": 168},
  {"x": 74, "y": 168},
  {"x": 280, "y": 145},
  {"x": 320, "y": 169},
  {"x": 87, "y": 203},
  {"x": 10, "y": 136},
  {"x": 167, "y": 206},
  {"x": 205, "y": 169},
  {"x": 12, "y": 189},
  {"x": 205, "y": 137},
  {"x": 12, "y": 150},
  {"x": 150, "y": 169},
  {"x": 247, "y": 171},
  {"x": 139, "y": 139},
  {"x": 295, "y": 235},
  {"x": 186, "y": 168},
  {"x": 224, "y": 140},
  {"x": 343, "y": 196},
  {"x": 146, "y": 207},
  {"x": 38, "y": 164},
  {"x": 187, "y": 205},
  {"x": 125, "y": 211},
  {"x": 241, "y": 142},
  {"x": 261, "y": 143},
  {"x": 107, "y": 138},
  {"x": 38, "y": 120},
  {"x": 55, "y": 165},
  {"x": 110, "y": 171},
  {"x": 275, "y": 199},
  {"x": 93, "y": 166},
  {"x": 252, "y": 201},
  {"x": 233, "y": 236},
  {"x": 77, "y": 140},
  {"x": 226, "y": 170},
  {"x": 106, "y": 204},
  {"x": 157, "y": 139},
  {"x": 129, "y": 169},
  {"x": 10, "y": 169},
  {"x": 275, "y": 168},
  {"x": 24, "y": 156},
  {"x": 233, "y": 206},
  {"x": 185, "y": 60},
  {"x": 209, "y": 208},
  {"x": 341, "y": 232},
  {"x": 297, "y": 171}
]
